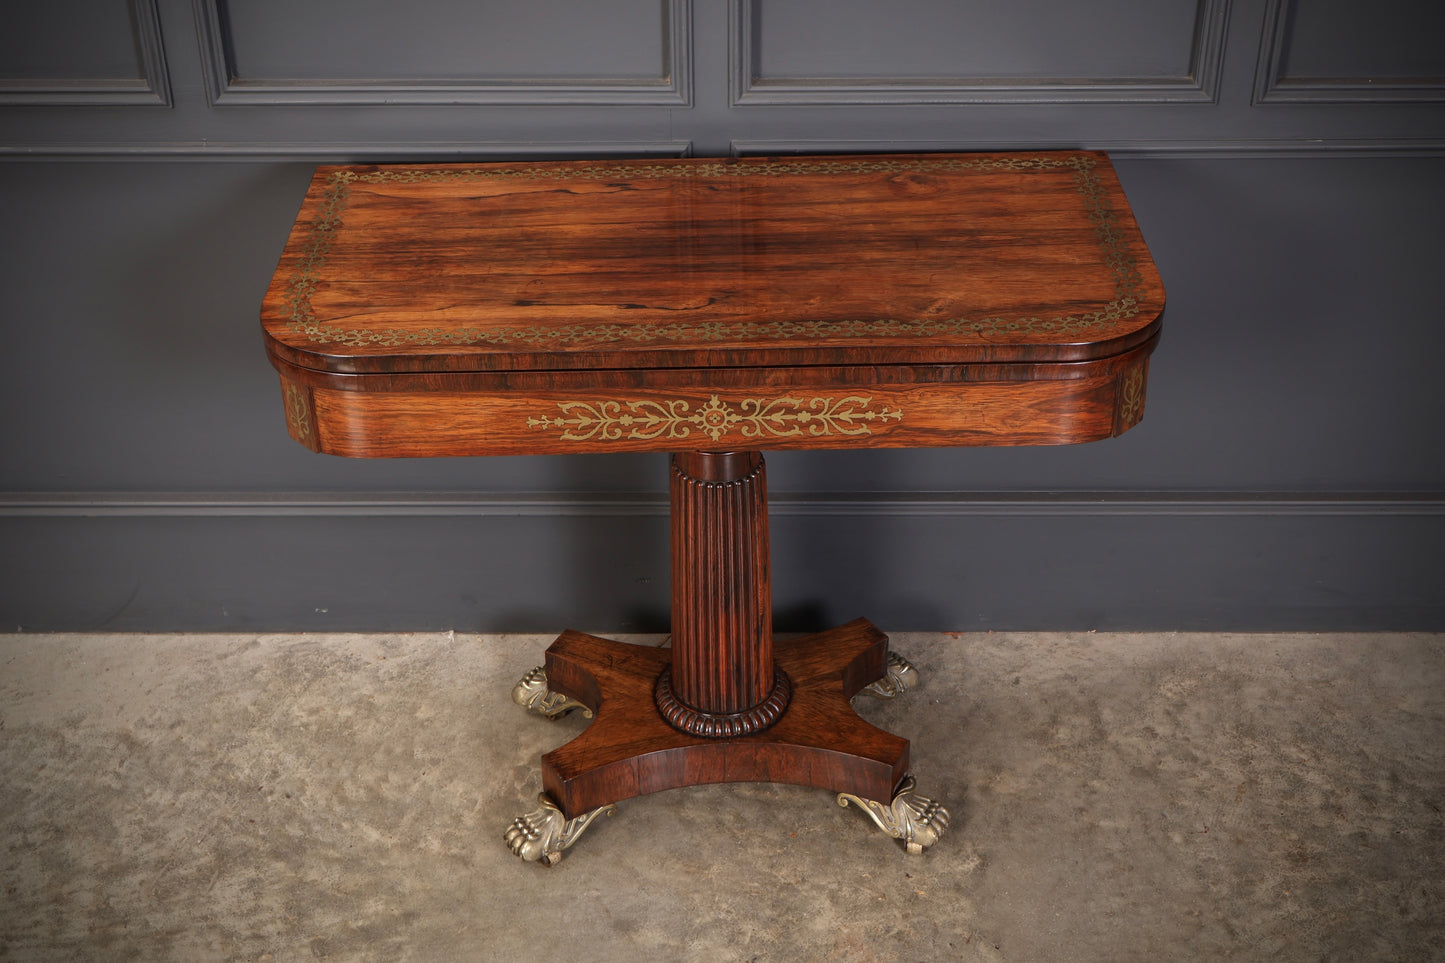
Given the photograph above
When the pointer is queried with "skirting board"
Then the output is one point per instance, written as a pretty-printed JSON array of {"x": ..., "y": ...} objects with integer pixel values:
[{"x": 565, "y": 504}]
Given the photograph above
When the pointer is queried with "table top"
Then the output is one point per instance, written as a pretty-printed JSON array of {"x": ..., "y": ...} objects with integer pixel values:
[
  {"x": 878, "y": 300},
  {"x": 933, "y": 258}
]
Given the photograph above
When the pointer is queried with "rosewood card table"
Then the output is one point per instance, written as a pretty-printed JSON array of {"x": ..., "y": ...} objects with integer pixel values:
[{"x": 712, "y": 309}]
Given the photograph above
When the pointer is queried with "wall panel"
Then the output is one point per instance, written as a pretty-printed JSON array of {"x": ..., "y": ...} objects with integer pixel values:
[
  {"x": 922, "y": 52},
  {"x": 1338, "y": 51},
  {"x": 449, "y": 78},
  {"x": 445, "y": 52},
  {"x": 82, "y": 53}
]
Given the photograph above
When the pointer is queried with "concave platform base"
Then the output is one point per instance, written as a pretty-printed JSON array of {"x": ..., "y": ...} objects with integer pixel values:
[
  {"x": 727, "y": 702},
  {"x": 630, "y": 750}
]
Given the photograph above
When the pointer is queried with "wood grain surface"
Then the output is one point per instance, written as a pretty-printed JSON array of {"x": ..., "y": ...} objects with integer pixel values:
[
  {"x": 825, "y": 302},
  {"x": 667, "y": 263},
  {"x": 629, "y": 750},
  {"x": 722, "y": 641}
]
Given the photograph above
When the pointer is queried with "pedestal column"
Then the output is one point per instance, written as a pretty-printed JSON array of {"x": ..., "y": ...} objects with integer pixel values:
[{"x": 722, "y": 681}]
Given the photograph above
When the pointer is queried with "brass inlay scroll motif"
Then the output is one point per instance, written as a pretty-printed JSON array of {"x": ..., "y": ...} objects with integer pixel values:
[
  {"x": 298, "y": 412},
  {"x": 1131, "y": 399},
  {"x": 302, "y": 319},
  {"x": 750, "y": 418}
]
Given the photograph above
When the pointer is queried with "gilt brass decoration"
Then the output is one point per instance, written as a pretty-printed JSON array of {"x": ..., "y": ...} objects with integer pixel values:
[
  {"x": 298, "y": 412},
  {"x": 751, "y": 418},
  {"x": 541, "y": 835},
  {"x": 900, "y": 677},
  {"x": 917, "y": 820},
  {"x": 303, "y": 281},
  {"x": 533, "y": 694},
  {"x": 1131, "y": 399}
]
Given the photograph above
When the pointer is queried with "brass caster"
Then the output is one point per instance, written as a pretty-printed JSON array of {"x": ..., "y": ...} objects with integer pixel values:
[
  {"x": 532, "y": 694},
  {"x": 917, "y": 820},
  {"x": 901, "y": 676},
  {"x": 541, "y": 835}
]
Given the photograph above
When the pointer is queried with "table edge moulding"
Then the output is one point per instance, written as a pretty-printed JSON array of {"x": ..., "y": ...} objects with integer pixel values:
[{"x": 715, "y": 308}]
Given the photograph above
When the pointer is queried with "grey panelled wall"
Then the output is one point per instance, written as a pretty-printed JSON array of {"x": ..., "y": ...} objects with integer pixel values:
[{"x": 1284, "y": 158}]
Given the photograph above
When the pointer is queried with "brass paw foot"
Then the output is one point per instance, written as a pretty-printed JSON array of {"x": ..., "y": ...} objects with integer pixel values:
[
  {"x": 541, "y": 835},
  {"x": 532, "y": 693},
  {"x": 917, "y": 820},
  {"x": 902, "y": 676}
]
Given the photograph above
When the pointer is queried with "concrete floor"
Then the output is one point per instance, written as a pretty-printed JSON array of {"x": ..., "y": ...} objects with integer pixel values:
[{"x": 1114, "y": 797}]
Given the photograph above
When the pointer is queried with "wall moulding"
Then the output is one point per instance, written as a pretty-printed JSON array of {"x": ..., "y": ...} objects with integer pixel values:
[
  {"x": 151, "y": 89},
  {"x": 1143, "y": 148},
  {"x": 1272, "y": 86},
  {"x": 671, "y": 87},
  {"x": 1199, "y": 85},
  {"x": 383, "y": 152},
  {"x": 781, "y": 504},
  {"x": 345, "y": 152}
]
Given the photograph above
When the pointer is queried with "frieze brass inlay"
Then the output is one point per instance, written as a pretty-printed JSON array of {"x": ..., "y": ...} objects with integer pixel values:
[
  {"x": 298, "y": 411},
  {"x": 750, "y": 417},
  {"x": 302, "y": 319},
  {"x": 1131, "y": 398}
]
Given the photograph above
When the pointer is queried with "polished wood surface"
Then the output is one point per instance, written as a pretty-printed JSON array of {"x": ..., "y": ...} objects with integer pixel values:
[
  {"x": 625, "y": 264},
  {"x": 629, "y": 750},
  {"x": 827, "y": 302},
  {"x": 722, "y": 642},
  {"x": 690, "y": 409}
]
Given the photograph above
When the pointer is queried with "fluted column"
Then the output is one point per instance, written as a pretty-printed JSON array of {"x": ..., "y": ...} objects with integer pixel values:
[{"x": 722, "y": 680}]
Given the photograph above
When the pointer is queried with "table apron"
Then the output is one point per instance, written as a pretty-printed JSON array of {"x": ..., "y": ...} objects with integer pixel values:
[{"x": 428, "y": 423}]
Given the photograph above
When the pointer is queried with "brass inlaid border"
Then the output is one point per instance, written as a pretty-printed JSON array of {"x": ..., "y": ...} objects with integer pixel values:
[
  {"x": 749, "y": 417},
  {"x": 301, "y": 316}
]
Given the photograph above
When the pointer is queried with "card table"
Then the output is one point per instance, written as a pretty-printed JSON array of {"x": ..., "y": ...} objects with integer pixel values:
[{"x": 715, "y": 308}]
